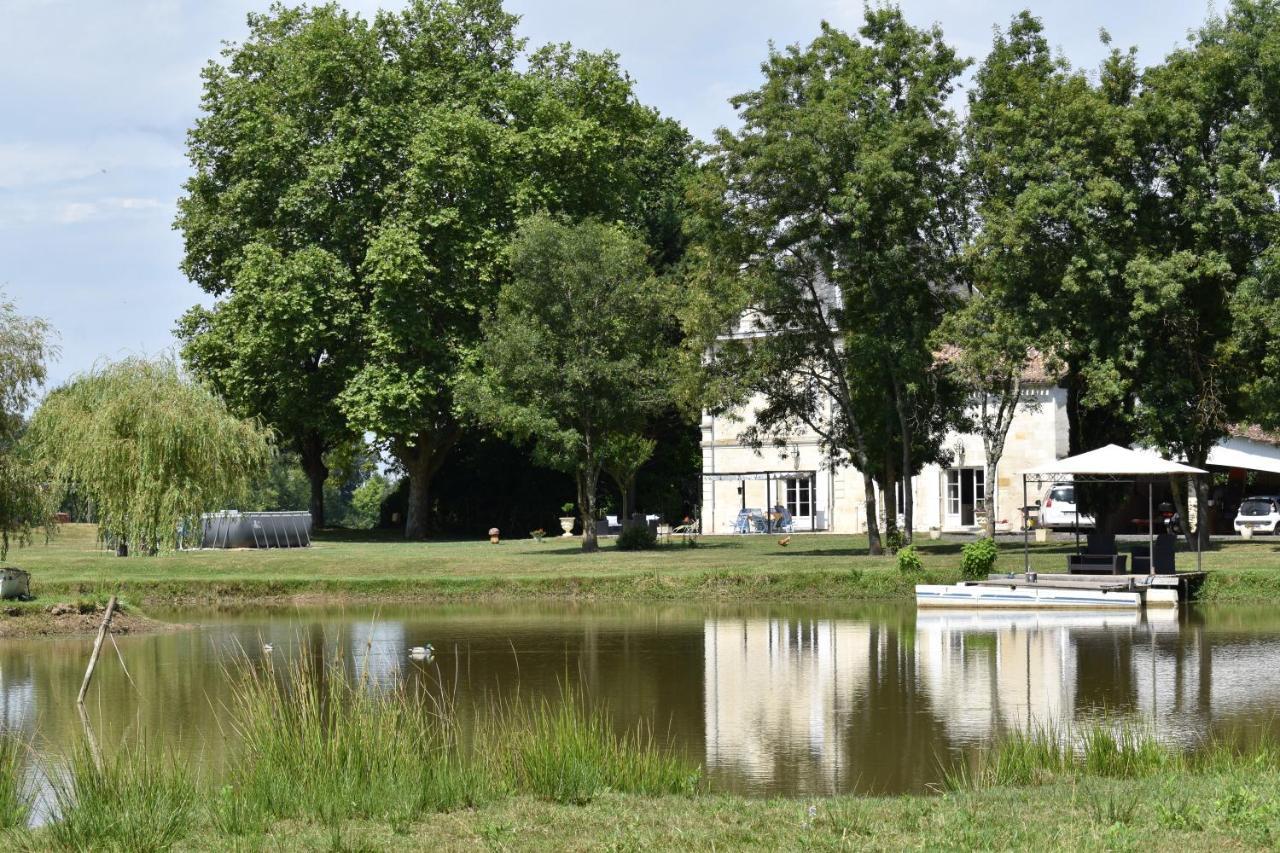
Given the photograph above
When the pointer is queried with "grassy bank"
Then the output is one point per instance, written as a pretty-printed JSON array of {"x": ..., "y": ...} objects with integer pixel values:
[
  {"x": 325, "y": 762},
  {"x": 812, "y": 567}
]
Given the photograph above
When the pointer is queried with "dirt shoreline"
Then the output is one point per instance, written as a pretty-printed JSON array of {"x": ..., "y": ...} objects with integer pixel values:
[{"x": 68, "y": 620}]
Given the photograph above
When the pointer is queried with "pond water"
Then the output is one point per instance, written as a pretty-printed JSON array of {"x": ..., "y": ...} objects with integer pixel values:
[{"x": 770, "y": 700}]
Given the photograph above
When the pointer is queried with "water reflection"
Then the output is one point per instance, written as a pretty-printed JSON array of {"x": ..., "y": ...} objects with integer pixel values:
[{"x": 772, "y": 700}]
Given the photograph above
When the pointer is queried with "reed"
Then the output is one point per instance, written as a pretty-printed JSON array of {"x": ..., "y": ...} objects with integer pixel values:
[
  {"x": 1045, "y": 754},
  {"x": 131, "y": 801},
  {"x": 16, "y": 794},
  {"x": 569, "y": 752}
]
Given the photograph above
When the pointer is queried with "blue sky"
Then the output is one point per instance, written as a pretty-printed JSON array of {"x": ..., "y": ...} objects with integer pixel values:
[{"x": 96, "y": 97}]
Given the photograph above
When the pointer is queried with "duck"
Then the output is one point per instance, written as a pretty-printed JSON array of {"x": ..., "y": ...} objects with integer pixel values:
[
  {"x": 267, "y": 647},
  {"x": 422, "y": 652}
]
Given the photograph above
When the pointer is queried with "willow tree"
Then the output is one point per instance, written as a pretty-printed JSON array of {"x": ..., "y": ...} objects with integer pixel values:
[
  {"x": 148, "y": 446},
  {"x": 26, "y": 343}
]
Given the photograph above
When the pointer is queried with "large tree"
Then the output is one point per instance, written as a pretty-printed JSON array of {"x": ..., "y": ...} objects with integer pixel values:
[
  {"x": 1209, "y": 216},
  {"x": 26, "y": 344},
  {"x": 576, "y": 354},
  {"x": 397, "y": 155},
  {"x": 827, "y": 231},
  {"x": 148, "y": 446}
]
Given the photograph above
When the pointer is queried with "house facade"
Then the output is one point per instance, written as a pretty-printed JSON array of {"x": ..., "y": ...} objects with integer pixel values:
[{"x": 825, "y": 497}]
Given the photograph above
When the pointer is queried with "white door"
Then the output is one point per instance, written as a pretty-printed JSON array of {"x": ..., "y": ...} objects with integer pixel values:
[{"x": 798, "y": 499}]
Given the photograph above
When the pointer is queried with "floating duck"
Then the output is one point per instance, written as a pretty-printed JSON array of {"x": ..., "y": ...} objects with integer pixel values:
[{"x": 422, "y": 652}]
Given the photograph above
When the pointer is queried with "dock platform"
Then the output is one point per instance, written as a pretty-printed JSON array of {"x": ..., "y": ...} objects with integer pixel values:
[{"x": 1064, "y": 591}]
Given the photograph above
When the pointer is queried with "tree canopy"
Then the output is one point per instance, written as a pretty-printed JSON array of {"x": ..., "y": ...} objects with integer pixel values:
[
  {"x": 576, "y": 355},
  {"x": 356, "y": 183},
  {"x": 26, "y": 502},
  {"x": 829, "y": 223},
  {"x": 148, "y": 446}
]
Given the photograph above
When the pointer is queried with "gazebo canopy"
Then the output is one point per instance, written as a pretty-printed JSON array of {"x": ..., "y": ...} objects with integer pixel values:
[{"x": 1113, "y": 461}]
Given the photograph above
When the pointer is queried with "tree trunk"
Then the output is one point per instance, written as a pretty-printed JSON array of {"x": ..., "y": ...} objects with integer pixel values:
[
  {"x": 311, "y": 449},
  {"x": 422, "y": 455},
  {"x": 989, "y": 496},
  {"x": 873, "y": 528},
  {"x": 1203, "y": 524},
  {"x": 417, "y": 514},
  {"x": 908, "y": 500},
  {"x": 1180, "y": 504},
  {"x": 587, "y": 480},
  {"x": 889, "y": 498}
]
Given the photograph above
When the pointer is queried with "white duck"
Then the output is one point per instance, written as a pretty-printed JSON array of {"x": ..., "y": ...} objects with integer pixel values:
[
  {"x": 426, "y": 652},
  {"x": 267, "y": 647}
]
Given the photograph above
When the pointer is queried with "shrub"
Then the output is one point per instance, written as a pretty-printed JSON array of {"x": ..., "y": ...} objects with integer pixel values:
[
  {"x": 637, "y": 538},
  {"x": 909, "y": 560},
  {"x": 894, "y": 540},
  {"x": 978, "y": 559}
]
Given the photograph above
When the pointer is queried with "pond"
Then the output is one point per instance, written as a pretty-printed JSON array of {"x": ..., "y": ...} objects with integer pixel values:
[{"x": 770, "y": 700}]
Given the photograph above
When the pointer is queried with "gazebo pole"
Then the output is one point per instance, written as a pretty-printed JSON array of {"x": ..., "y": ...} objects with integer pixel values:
[
  {"x": 1026, "y": 546},
  {"x": 1151, "y": 530}
]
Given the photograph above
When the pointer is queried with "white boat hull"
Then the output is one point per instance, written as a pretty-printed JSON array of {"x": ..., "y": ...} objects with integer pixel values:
[{"x": 973, "y": 595}]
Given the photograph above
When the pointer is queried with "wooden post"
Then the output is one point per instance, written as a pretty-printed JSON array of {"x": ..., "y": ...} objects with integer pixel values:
[{"x": 97, "y": 647}]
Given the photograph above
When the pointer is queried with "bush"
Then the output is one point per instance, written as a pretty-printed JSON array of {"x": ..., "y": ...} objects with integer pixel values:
[
  {"x": 894, "y": 540},
  {"x": 909, "y": 560},
  {"x": 637, "y": 538},
  {"x": 978, "y": 559}
]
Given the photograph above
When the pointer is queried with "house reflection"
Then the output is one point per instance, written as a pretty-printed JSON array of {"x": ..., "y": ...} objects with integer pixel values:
[
  {"x": 992, "y": 671},
  {"x": 779, "y": 695}
]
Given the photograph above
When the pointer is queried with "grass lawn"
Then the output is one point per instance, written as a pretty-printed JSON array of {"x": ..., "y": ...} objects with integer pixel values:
[{"x": 814, "y": 566}]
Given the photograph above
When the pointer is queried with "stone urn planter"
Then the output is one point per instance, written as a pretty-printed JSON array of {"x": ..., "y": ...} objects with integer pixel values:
[
  {"x": 935, "y": 533},
  {"x": 1246, "y": 532},
  {"x": 566, "y": 524},
  {"x": 493, "y": 535},
  {"x": 1042, "y": 534}
]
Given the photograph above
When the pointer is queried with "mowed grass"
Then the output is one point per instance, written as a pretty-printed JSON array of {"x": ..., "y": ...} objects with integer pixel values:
[{"x": 812, "y": 566}]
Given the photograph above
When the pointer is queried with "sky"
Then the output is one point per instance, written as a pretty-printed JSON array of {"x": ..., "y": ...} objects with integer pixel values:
[{"x": 96, "y": 98}]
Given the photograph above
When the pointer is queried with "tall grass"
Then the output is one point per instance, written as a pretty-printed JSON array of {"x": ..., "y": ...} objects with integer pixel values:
[
  {"x": 316, "y": 745},
  {"x": 15, "y": 792},
  {"x": 568, "y": 752},
  {"x": 131, "y": 801},
  {"x": 1045, "y": 754}
]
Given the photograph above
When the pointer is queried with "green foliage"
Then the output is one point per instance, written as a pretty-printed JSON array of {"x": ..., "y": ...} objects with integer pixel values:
[
  {"x": 355, "y": 183},
  {"x": 894, "y": 540},
  {"x": 636, "y": 537},
  {"x": 130, "y": 800},
  {"x": 366, "y": 502},
  {"x": 909, "y": 561},
  {"x": 825, "y": 233},
  {"x": 575, "y": 355},
  {"x": 149, "y": 446},
  {"x": 978, "y": 559},
  {"x": 16, "y": 793},
  {"x": 26, "y": 502},
  {"x": 621, "y": 459}
]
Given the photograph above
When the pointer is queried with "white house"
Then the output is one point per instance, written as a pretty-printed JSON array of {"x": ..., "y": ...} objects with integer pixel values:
[{"x": 823, "y": 497}]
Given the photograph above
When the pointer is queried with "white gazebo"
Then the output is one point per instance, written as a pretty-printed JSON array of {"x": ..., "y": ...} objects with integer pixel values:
[{"x": 1109, "y": 464}]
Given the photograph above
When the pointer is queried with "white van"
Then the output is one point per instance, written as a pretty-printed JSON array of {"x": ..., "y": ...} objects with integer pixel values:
[
  {"x": 1260, "y": 513},
  {"x": 1058, "y": 509}
]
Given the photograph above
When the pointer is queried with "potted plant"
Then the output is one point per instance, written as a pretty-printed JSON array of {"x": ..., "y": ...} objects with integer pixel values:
[
  {"x": 493, "y": 535},
  {"x": 538, "y": 535},
  {"x": 935, "y": 532},
  {"x": 566, "y": 520}
]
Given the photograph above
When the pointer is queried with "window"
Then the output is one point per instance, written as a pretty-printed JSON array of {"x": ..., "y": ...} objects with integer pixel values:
[
  {"x": 980, "y": 487},
  {"x": 800, "y": 497},
  {"x": 953, "y": 491}
]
